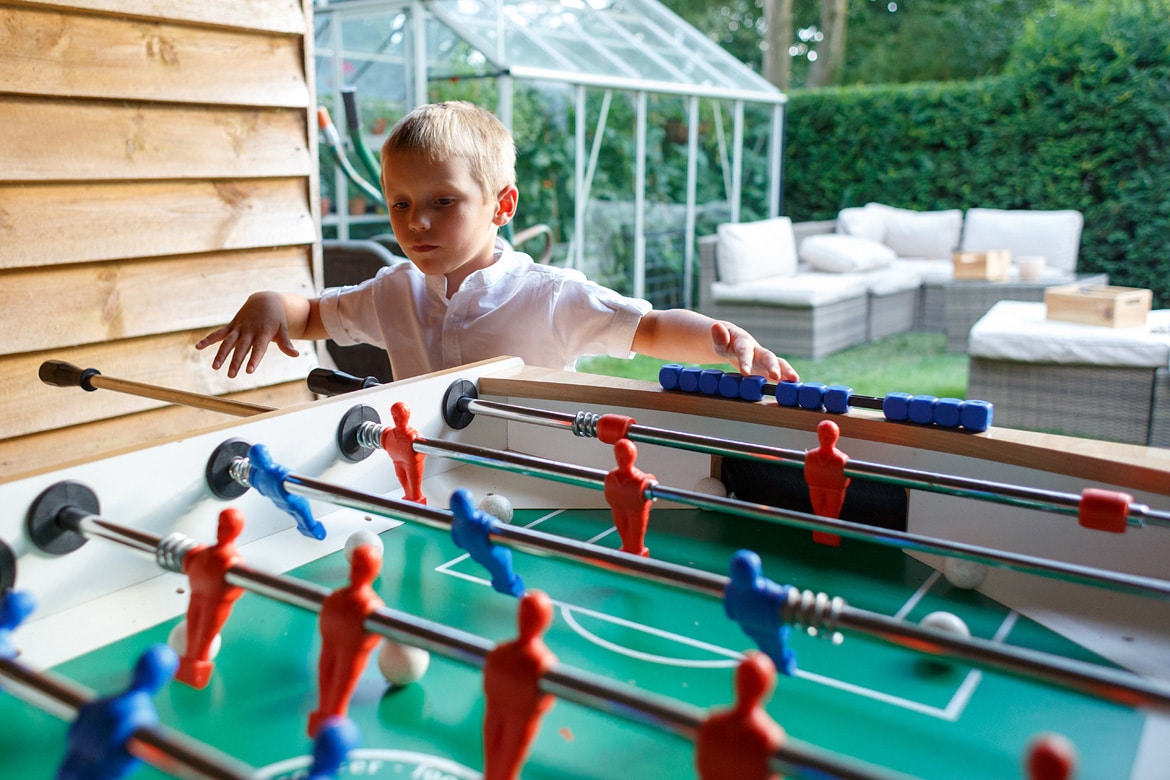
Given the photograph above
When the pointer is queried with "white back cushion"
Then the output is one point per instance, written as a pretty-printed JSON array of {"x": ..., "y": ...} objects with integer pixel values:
[
  {"x": 931, "y": 235},
  {"x": 749, "y": 251},
  {"x": 1055, "y": 235},
  {"x": 862, "y": 222},
  {"x": 834, "y": 253}
]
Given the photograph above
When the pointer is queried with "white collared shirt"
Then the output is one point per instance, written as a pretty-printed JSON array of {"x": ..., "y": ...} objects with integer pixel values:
[{"x": 547, "y": 316}]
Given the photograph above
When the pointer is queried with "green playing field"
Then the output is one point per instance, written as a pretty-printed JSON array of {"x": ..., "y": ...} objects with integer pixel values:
[{"x": 863, "y": 698}]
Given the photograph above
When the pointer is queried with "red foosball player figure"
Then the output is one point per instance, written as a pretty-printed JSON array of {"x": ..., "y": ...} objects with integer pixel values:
[
  {"x": 399, "y": 445},
  {"x": 211, "y": 597},
  {"x": 738, "y": 743},
  {"x": 345, "y": 643},
  {"x": 824, "y": 471},
  {"x": 625, "y": 490},
  {"x": 511, "y": 682}
]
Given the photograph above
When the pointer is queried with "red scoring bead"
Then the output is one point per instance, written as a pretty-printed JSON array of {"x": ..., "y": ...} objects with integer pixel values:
[
  {"x": 1104, "y": 510},
  {"x": 611, "y": 427}
]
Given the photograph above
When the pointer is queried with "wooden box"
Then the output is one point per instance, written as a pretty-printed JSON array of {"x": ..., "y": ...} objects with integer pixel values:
[
  {"x": 1094, "y": 304},
  {"x": 993, "y": 265}
]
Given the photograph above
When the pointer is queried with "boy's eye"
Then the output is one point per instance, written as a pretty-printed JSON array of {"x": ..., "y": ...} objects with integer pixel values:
[
  {"x": 444, "y": 201},
  {"x": 400, "y": 204}
]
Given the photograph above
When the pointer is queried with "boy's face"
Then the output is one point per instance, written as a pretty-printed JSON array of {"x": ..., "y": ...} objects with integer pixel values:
[{"x": 440, "y": 215}]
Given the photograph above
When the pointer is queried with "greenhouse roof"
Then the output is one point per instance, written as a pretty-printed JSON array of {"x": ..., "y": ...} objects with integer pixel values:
[{"x": 623, "y": 44}]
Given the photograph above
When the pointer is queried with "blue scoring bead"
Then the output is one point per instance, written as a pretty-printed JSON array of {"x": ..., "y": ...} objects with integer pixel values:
[
  {"x": 837, "y": 398},
  {"x": 921, "y": 409},
  {"x": 946, "y": 412},
  {"x": 709, "y": 381},
  {"x": 729, "y": 384},
  {"x": 976, "y": 416},
  {"x": 751, "y": 388},
  {"x": 788, "y": 392},
  {"x": 688, "y": 379},
  {"x": 811, "y": 396},
  {"x": 896, "y": 406},
  {"x": 668, "y": 376}
]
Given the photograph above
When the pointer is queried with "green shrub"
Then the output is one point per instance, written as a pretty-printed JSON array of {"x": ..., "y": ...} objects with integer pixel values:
[{"x": 1080, "y": 119}]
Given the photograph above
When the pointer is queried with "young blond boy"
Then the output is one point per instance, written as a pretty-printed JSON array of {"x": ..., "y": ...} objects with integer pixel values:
[{"x": 448, "y": 174}]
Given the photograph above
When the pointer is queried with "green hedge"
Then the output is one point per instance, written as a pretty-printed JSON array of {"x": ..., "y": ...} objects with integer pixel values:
[{"x": 1079, "y": 120}]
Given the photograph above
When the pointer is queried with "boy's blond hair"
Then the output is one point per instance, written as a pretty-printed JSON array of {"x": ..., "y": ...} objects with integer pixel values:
[{"x": 438, "y": 131}]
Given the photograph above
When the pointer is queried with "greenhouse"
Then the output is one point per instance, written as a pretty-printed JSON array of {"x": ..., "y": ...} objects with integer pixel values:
[{"x": 635, "y": 133}]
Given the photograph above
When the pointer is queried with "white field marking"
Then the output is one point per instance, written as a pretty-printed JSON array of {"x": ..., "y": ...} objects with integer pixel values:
[
  {"x": 445, "y": 567},
  {"x": 951, "y": 712},
  {"x": 602, "y": 535},
  {"x": 916, "y": 596}
]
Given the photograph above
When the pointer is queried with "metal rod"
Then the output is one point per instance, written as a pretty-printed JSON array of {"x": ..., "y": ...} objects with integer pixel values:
[
  {"x": 1119, "y": 687},
  {"x": 563, "y": 681},
  {"x": 62, "y": 374},
  {"x": 981, "y": 490},
  {"x": 159, "y": 746},
  {"x": 594, "y": 478}
]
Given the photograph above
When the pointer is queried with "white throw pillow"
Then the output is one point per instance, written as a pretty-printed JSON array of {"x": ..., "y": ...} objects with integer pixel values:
[
  {"x": 862, "y": 222},
  {"x": 1054, "y": 235},
  {"x": 750, "y": 251},
  {"x": 834, "y": 253},
  {"x": 931, "y": 235}
]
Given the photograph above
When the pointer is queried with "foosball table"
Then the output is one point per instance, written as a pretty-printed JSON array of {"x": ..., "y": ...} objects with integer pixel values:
[{"x": 976, "y": 605}]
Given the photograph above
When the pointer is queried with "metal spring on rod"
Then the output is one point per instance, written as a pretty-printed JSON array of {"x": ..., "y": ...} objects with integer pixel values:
[
  {"x": 585, "y": 424},
  {"x": 369, "y": 435},
  {"x": 817, "y": 612},
  {"x": 171, "y": 551},
  {"x": 240, "y": 470}
]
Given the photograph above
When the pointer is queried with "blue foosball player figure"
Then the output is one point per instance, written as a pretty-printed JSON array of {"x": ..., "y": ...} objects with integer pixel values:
[
  {"x": 336, "y": 737},
  {"x": 471, "y": 529},
  {"x": 757, "y": 604},
  {"x": 97, "y": 741}
]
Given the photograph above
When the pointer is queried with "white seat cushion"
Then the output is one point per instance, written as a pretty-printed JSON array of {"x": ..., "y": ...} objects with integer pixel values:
[
  {"x": 835, "y": 253},
  {"x": 928, "y": 234},
  {"x": 1021, "y": 331},
  {"x": 1054, "y": 235},
  {"x": 930, "y": 271},
  {"x": 806, "y": 290},
  {"x": 749, "y": 251}
]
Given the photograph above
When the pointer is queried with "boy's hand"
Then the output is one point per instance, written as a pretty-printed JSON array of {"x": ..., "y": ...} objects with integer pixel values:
[
  {"x": 743, "y": 352},
  {"x": 260, "y": 321}
]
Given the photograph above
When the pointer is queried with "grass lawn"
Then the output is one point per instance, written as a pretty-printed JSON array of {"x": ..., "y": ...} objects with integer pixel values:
[{"x": 915, "y": 363}]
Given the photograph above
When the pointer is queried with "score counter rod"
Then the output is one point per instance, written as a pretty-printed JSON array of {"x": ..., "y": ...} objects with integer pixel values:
[
  {"x": 158, "y": 745},
  {"x": 586, "y": 424},
  {"x": 563, "y": 681}
]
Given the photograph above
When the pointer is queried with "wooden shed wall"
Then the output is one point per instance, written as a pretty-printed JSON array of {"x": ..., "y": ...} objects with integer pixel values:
[{"x": 157, "y": 164}]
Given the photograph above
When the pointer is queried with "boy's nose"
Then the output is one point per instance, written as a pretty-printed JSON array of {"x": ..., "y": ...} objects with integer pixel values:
[{"x": 419, "y": 221}]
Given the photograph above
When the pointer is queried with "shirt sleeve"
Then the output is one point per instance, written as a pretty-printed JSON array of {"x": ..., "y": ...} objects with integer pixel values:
[{"x": 596, "y": 320}]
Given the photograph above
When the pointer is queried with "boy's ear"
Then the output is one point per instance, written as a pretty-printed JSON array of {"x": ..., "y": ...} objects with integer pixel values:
[{"x": 506, "y": 203}]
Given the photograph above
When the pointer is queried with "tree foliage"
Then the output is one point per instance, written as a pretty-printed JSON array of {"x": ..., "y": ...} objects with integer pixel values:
[{"x": 889, "y": 41}]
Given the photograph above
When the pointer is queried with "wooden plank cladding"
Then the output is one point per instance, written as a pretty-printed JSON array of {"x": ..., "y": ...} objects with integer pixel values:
[
  {"x": 39, "y": 137},
  {"x": 158, "y": 163},
  {"x": 282, "y": 16},
  {"x": 98, "y": 302},
  {"x": 50, "y": 224},
  {"x": 50, "y": 52},
  {"x": 169, "y": 360},
  {"x": 42, "y": 451}
]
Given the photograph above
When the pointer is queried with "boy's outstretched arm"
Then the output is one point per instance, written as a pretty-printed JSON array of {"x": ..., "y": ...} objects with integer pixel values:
[
  {"x": 683, "y": 335},
  {"x": 266, "y": 317}
]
